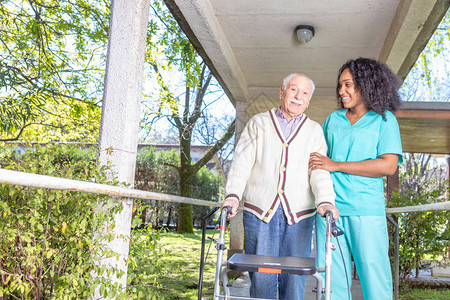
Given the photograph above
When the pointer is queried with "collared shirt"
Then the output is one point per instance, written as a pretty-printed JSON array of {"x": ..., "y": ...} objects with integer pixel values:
[{"x": 287, "y": 126}]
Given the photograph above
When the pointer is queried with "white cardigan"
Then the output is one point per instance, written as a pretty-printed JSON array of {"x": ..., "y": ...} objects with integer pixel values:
[{"x": 268, "y": 169}]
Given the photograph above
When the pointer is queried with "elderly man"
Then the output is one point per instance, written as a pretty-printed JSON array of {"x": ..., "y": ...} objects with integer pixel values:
[{"x": 270, "y": 174}]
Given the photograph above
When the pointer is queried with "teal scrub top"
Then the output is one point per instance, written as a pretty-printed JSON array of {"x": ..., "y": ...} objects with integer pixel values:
[{"x": 368, "y": 138}]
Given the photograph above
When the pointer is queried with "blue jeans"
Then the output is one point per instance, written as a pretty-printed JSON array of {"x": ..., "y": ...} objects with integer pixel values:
[{"x": 277, "y": 238}]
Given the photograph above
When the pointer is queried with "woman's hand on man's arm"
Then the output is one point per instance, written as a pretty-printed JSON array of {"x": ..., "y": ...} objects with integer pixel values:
[{"x": 385, "y": 164}]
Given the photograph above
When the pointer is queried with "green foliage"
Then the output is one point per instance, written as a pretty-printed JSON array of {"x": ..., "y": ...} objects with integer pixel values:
[
  {"x": 429, "y": 77},
  {"x": 53, "y": 57},
  {"x": 156, "y": 171},
  {"x": 175, "y": 274},
  {"x": 47, "y": 240},
  {"x": 166, "y": 35},
  {"x": 421, "y": 234},
  {"x": 206, "y": 186},
  {"x": 412, "y": 292},
  {"x": 51, "y": 71},
  {"x": 146, "y": 264}
]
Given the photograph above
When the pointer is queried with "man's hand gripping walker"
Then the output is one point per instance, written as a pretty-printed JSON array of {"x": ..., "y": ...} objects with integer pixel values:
[{"x": 273, "y": 264}]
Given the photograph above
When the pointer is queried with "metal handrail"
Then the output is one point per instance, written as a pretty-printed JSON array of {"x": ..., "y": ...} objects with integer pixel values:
[
  {"x": 56, "y": 183},
  {"x": 441, "y": 206},
  {"x": 50, "y": 182},
  {"x": 396, "y": 259}
]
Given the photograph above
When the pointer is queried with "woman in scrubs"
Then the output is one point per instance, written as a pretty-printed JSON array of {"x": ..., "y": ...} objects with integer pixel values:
[{"x": 364, "y": 145}]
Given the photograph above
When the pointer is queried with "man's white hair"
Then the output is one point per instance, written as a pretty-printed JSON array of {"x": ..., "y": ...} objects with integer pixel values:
[{"x": 289, "y": 77}]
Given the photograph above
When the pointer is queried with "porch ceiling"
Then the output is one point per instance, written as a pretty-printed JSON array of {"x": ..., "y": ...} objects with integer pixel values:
[{"x": 250, "y": 46}]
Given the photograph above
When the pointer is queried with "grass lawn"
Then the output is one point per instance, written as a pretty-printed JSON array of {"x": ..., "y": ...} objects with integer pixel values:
[
  {"x": 167, "y": 267},
  {"x": 179, "y": 257},
  {"x": 408, "y": 292}
]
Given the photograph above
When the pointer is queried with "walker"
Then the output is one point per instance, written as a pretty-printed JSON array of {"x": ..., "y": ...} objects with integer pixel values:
[{"x": 272, "y": 264}]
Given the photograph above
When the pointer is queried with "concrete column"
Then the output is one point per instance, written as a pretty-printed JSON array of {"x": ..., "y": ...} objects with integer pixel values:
[
  {"x": 236, "y": 223},
  {"x": 121, "y": 110}
]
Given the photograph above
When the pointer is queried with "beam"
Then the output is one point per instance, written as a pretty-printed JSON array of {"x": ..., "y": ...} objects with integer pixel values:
[
  {"x": 425, "y": 127},
  {"x": 198, "y": 21},
  {"x": 412, "y": 27},
  {"x": 423, "y": 114}
]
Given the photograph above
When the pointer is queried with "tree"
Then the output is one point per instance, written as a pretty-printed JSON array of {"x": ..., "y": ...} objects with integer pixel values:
[
  {"x": 51, "y": 70},
  {"x": 186, "y": 169},
  {"x": 185, "y": 125},
  {"x": 427, "y": 233},
  {"x": 206, "y": 186},
  {"x": 429, "y": 79},
  {"x": 153, "y": 173},
  {"x": 183, "y": 109}
]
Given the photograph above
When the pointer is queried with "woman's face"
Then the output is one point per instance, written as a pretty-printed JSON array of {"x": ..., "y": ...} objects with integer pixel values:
[{"x": 351, "y": 98}]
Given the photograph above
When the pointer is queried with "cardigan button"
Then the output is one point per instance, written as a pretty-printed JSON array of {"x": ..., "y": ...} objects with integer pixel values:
[
  {"x": 265, "y": 219},
  {"x": 286, "y": 145},
  {"x": 283, "y": 168},
  {"x": 270, "y": 212},
  {"x": 280, "y": 191}
]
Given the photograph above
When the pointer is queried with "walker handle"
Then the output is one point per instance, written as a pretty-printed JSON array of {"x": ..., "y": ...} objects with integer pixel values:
[
  {"x": 329, "y": 213},
  {"x": 226, "y": 210},
  {"x": 333, "y": 228}
]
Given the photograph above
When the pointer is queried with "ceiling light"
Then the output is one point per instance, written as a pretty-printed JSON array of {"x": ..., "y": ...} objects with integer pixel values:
[{"x": 304, "y": 33}]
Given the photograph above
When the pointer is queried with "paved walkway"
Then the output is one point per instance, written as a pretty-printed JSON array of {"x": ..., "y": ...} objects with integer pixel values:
[
  {"x": 426, "y": 279},
  {"x": 241, "y": 288},
  {"x": 241, "y": 285}
]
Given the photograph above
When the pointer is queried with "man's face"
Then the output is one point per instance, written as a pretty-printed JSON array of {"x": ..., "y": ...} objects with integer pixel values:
[{"x": 295, "y": 98}]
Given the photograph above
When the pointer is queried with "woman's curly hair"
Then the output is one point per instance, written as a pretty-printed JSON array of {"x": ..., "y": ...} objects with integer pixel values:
[{"x": 376, "y": 82}]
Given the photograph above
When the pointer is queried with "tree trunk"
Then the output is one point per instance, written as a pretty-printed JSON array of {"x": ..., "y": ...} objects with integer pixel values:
[
  {"x": 185, "y": 223},
  {"x": 417, "y": 257},
  {"x": 169, "y": 217},
  {"x": 185, "y": 218}
]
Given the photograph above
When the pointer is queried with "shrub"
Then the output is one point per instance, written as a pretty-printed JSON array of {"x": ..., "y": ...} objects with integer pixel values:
[
  {"x": 421, "y": 234},
  {"x": 145, "y": 264},
  {"x": 49, "y": 239},
  {"x": 156, "y": 172}
]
